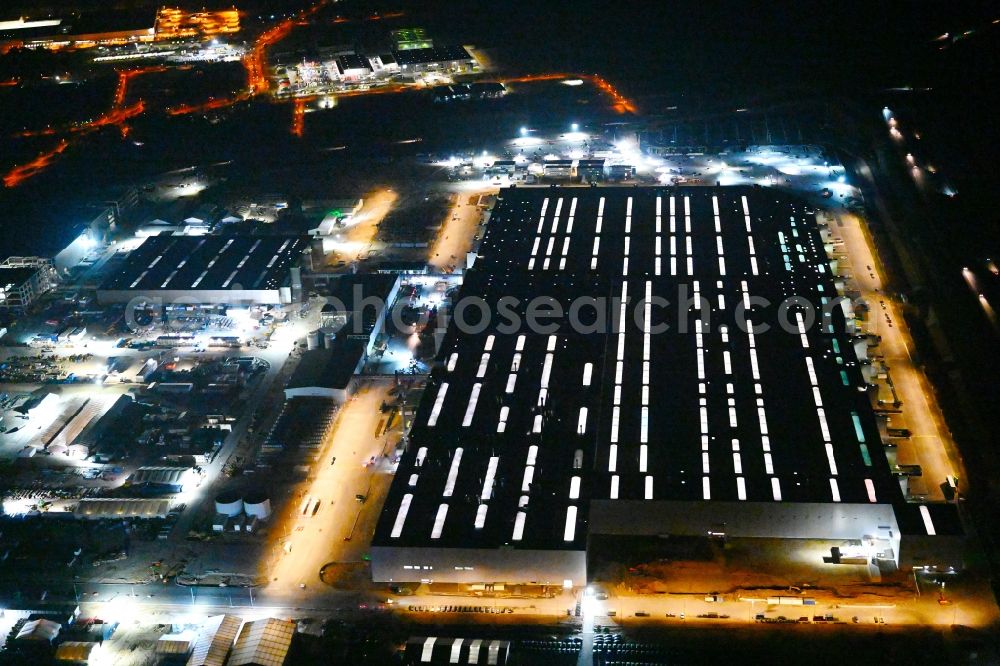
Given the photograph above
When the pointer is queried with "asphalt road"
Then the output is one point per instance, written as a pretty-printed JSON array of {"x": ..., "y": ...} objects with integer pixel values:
[
  {"x": 341, "y": 529},
  {"x": 930, "y": 441}
]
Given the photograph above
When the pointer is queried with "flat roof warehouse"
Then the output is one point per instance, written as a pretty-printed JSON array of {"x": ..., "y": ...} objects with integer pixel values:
[
  {"x": 174, "y": 264},
  {"x": 520, "y": 433}
]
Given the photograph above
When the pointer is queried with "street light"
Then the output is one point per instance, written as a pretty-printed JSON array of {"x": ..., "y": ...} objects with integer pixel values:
[
  {"x": 575, "y": 127},
  {"x": 524, "y": 131}
]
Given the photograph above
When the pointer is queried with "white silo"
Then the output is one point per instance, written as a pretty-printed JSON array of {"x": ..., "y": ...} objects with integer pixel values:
[
  {"x": 257, "y": 505},
  {"x": 229, "y": 504}
]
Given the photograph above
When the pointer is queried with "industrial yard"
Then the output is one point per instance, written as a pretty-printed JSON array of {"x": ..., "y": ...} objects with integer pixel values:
[{"x": 372, "y": 346}]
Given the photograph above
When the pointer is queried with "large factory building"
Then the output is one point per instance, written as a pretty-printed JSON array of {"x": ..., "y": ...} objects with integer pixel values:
[
  {"x": 668, "y": 400},
  {"x": 229, "y": 270}
]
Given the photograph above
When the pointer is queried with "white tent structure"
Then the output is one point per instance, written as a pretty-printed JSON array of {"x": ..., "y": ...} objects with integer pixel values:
[
  {"x": 263, "y": 643},
  {"x": 96, "y": 508},
  {"x": 39, "y": 630},
  {"x": 215, "y": 639}
]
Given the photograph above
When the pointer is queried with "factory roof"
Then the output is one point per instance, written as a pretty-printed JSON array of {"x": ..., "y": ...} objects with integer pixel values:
[
  {"x": 519, "y": 429},
  {"x": 208, "y": 262},
  {"x": 329, "y": 368},
  {"x": 167, "y": 476},
  {"x": 431, "y": 54},
  {"x": 360, "y": 296},
  {"x": 352, "y": 61},
  {"x": 121, "y": 508},
  {"x": 87, "y": 23}
]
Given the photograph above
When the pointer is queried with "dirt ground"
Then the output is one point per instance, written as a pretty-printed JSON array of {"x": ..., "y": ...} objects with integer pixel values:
[{"x": 698, "y": 566}]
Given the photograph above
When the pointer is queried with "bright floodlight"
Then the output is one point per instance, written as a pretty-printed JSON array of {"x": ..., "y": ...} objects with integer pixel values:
[
  {"x": 524, "y": 131},
  {"x": 841, "y": 179},
  {"x": 575, "y": 127}
]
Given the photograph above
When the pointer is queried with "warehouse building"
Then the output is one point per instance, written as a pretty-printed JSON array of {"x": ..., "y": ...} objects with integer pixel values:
[
  {"x": 532, "y": 445},
  {"x": 353, "y": 67},
  {"x": 259, "y": 270},
  {"x": 106, "y": 507},
  {"x": 80, "y": 29},
  {"x": 357, "y": 307},
  {"x": 433, "y": 58}
]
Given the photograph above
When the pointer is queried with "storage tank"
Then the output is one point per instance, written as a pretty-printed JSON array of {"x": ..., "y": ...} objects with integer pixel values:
[
  {"x": 329, "y": 336},
  {"x": 229, "y": 504},
  {"x": 257, "y": 505},
  {"x": 314, "y": 339}
]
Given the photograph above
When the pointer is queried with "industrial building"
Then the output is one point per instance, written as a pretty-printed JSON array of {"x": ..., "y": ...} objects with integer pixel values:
[
  {"x": 407, "y": 39},
  {"x": 447, "y": 58},
  {"x": 106, "y": 507},
  {"x": 260, "y": 270},
  {"x": 354, "y": 316},
  {"x": 174, "y": 23},
  {"x": 675, "y": 402},
  {"x": 80, "y": 29},
  {"x": 352, "y": 67},
  {"x": 164, "y": 479},
  {"x": 23, "y": 280}
]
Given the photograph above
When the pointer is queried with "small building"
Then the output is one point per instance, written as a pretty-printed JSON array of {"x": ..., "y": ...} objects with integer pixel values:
[
  {"x": 23, "y": 280},
  {"x": 458, "y": 91},
  {"x": 488, "y": 90},
  {"x": 619, "y": 171},
  {"x": 558, "y": 169},
  {"x": 502, "y": 168},
  {"x": 590, "y": 171},
  {"x": 385, "y": 63}
]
